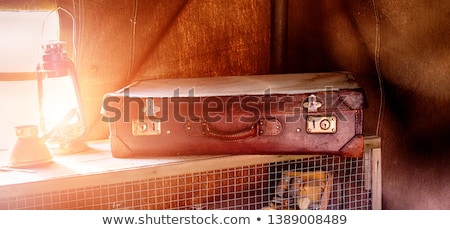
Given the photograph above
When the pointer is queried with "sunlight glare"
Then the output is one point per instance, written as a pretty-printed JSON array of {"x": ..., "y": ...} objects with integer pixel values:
[{"x": 22, "y": 34}]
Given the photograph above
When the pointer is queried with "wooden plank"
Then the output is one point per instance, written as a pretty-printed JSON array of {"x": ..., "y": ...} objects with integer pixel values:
[
  {"x": 372, "y": 142},
  {"x": 17, "y": 76},
  {"x": 28, "y": 5},
  {"x": 327, "y": 192},
  {"x": 376, "y": 179},
  {"x": 97, "y": 167}
]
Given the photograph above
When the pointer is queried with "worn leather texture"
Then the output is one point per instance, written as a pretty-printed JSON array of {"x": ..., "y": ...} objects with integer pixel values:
[{"x": 238, "y": 124}]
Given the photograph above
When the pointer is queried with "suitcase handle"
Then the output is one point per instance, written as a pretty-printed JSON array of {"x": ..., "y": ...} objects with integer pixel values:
[
  {"x": 251, "y": 131},
  {"x": 265, "y": 126}
]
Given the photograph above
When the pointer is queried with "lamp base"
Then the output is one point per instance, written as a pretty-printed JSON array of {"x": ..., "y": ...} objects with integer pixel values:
[
  {"x": 75, "y": 146},
  {"x": 29, "y": 150}
]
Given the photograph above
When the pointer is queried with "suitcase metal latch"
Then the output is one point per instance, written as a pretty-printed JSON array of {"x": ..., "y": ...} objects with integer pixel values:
[
  {"x": 312, "y": 104},
  {"x": 146, "y": 127},
  {"x": 321, "y": 124}
]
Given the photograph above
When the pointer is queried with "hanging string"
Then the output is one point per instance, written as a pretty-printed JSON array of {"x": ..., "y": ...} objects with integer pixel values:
[
  {"x": 377, "y": 64},
  {"x": 80, "y": 17},
  {"x": 133, "y": 38}
]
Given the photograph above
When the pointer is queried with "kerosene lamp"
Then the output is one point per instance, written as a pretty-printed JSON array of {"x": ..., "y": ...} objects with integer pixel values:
[{"x": 61, "y": 113}]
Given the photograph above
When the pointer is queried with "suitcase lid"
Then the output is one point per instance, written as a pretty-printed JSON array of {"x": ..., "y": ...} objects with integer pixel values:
[{"x": 241, "y": 85}]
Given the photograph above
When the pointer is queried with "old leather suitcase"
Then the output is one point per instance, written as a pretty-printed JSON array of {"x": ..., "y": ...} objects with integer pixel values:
[{"x": 309, "y": 113}]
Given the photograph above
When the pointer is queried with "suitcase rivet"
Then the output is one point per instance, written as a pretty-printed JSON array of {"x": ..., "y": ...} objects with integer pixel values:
[
  {"x": 261, "y": 132},
  {"x": 168, "y": 132},
  {"x": 189, "y": 127},
  {"x": 298, "y": 130}
]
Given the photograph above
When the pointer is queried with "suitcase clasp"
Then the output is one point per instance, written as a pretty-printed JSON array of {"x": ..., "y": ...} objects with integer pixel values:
[
  {"x": 321, "y": 124},
  {"x": 146, "y": 127},
  {"x": 312, "y": 104}
]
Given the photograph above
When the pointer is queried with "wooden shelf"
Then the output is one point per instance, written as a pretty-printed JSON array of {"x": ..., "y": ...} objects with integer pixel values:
[{"x": 97, "y": 167}]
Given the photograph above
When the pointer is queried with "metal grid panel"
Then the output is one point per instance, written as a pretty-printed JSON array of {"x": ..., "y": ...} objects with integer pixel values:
[{"x": 346, "y": 185}]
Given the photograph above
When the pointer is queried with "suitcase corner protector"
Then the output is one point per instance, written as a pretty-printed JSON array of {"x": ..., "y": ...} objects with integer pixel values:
[
  {"x": 354, "y": 147},
  {"x": 119, "y": 149}
]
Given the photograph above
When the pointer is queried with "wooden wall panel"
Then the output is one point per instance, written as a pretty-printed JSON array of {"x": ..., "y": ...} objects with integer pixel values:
[
  {"x": 122, "y": 41},
  {"x": 27, "y": 4},
  {"x": 206, "y": 38},
  {"x": 102, "y": 37}
]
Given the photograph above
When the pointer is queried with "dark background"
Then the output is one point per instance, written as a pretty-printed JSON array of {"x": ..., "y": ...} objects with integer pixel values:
[{"x": 122, "y": 41}]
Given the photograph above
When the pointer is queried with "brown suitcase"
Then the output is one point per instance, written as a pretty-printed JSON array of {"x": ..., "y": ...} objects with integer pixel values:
[{"x": 317, "y": 113}]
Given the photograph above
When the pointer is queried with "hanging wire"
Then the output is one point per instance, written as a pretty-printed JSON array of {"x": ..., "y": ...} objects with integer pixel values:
[
  {"x": 133, "y": 38},
  {"x": 58, "y": 29},
  {"x": 377, "y": 64},
  {"x": 80, "y": 18}
]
